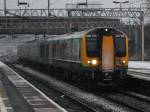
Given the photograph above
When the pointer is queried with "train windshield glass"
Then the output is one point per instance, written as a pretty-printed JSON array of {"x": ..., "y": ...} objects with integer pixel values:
[
  {"x": 120, "y": 46},
  {"x": 92, "y": 45}
]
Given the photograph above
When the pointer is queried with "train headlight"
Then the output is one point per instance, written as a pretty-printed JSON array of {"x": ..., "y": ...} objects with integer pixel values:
[
  {"x": 94, "y": 62},
  {"x": 124, "y": 61},
  {"x": 88, "y": 62},
  {"x": 106, "y": 29}
]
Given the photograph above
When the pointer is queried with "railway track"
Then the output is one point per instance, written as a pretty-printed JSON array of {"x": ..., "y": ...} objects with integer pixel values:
[
  {"x": 138, "y": 96},
  {"x": 131, "y": 101},
  {"x": 76, "y": 104},
  {"x": 139, "y": 75},
  {"x": 83, "y": 105},
  {"x": 139, "y": 82}
]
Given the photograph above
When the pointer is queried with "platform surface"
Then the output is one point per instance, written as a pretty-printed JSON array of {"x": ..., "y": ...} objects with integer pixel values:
[
  {"x": 139, "y": 69},
  {"x": 5, "y": 105},
  {"x": 33, "y": 96},
  {"x": 139, "y": 64}
]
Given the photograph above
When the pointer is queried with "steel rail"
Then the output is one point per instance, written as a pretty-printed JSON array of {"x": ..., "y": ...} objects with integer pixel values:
[{"x": 121, "y": 103}]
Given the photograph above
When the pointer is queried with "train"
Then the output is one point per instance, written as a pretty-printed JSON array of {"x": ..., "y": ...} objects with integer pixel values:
[{"x": 100, "y": 54}]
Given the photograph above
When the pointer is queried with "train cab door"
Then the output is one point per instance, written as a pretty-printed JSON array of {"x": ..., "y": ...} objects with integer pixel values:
[{"x": 107, "y": 53}]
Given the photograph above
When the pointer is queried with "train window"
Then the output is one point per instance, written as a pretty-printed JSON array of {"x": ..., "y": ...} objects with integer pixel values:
[
  {"x": 92, "y": 45},
  {"x": 47, "y": 51},
  {"x": 54, "y": 49},
  {"x": 120, "y": 46},
  {"x": 42, "y": 50},
  {"x": 75, "y": 49},
  {"x": 50, "y": 49},
  {"x": 79, "y": 49}
]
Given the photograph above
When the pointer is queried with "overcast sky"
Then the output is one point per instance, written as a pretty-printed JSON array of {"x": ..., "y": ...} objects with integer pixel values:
[{"x": 61, "y": 3}]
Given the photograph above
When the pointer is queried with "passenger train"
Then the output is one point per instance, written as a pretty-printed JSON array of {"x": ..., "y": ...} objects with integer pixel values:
[{"x": 100, "y": 54}]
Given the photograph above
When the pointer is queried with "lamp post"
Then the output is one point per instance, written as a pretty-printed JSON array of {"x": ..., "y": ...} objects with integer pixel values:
[
  {"x": 142, "y": 28},
  {"x": 22, "y": 3},
  {"x": 116, "y": 2},
  {"x": 86, "y": 2},
  {"x": 120, "y": 3},
  {"x": 48, "y": 7},
  {"x": 5, "y": 8}
]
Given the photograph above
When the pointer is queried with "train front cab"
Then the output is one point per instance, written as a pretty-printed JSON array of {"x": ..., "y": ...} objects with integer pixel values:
[{"x": 105, "y": 53}]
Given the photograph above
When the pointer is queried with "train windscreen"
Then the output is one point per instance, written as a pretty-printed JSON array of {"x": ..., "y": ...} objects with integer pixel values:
[
  {"x": 92, "y": 45},
  {"x": 120, "y": 46},
  {"x": 94, "y": 42}
]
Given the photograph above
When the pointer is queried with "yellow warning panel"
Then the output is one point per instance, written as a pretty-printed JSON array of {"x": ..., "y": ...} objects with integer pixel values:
[{"x": 107, "y": 54}]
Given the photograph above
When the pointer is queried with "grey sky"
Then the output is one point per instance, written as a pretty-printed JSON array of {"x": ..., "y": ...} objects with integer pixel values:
[{"x": 61, "y": 3}]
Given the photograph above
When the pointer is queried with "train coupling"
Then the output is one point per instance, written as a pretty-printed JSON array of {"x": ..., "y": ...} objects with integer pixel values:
[{"x": 107, "y": 76}]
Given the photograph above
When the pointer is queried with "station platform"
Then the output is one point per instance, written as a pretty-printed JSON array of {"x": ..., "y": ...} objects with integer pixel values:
[
  {"x": 18, "y": 95},
  {"x": 5, "y": 105},
  {"x": 139, "y": 69}
]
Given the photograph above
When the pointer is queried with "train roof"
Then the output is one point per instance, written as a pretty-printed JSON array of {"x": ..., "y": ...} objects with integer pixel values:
[
  {"x": 109, "y": 29},
  {"x": 74, "y": 35},
  {"x": 66, "y": 36},
  {"x": 79, "y": 34}
]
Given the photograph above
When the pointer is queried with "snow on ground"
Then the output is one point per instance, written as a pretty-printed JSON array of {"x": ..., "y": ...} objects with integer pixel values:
[
  {"x": 2, "y": 64},
  {"x": 139, "y": 64}
]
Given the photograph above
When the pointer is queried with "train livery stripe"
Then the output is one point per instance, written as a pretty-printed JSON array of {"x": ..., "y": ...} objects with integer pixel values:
[{"x": 108, "y": 53}]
